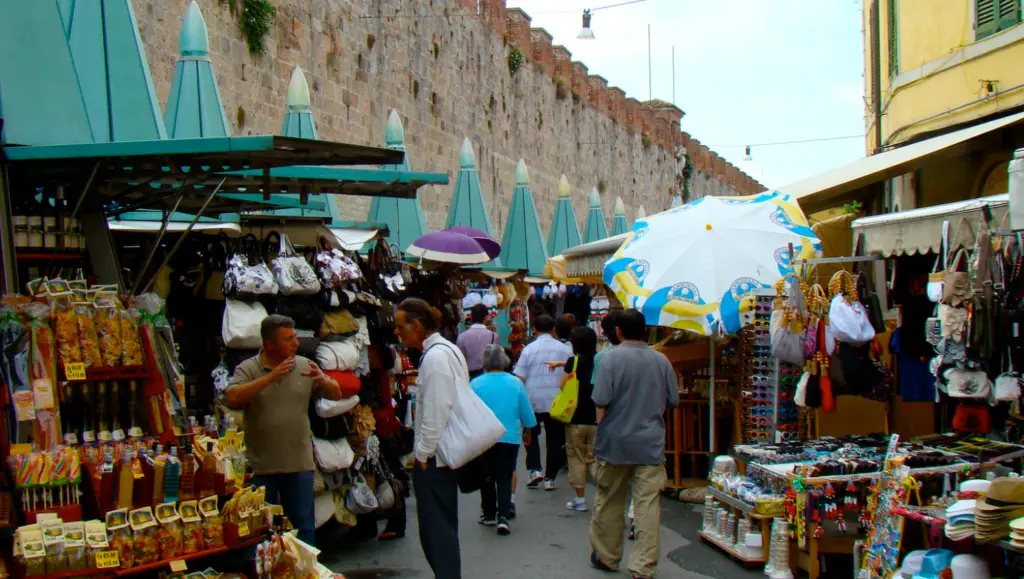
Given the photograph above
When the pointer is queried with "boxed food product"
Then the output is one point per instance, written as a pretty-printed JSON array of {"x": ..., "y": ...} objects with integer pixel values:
[
  {"x": 120, "y": 537},
  {"x": 75, "y": 552},
  {"x": 30, "y": 550},
  {"x": 193, "y": 540},
  {"x": 95, "y": 540},
  {"x": 53, "y": 541},
  {"x": 213, "y": 525}
]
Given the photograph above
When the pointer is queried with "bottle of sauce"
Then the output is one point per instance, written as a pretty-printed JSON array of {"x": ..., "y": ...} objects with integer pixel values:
[
  {"x": 172, "y": 476},
  {"x": 187, "y": 480},
  {"x": 208, "y": 476},
  {"x": 108, "y": 480},
  {"x": 159, "y": 466},
  {"x": 125, "y": 481}
]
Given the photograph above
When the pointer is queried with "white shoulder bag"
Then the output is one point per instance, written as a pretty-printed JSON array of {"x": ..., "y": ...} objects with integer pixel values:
[{"x": 241, "y": 325}]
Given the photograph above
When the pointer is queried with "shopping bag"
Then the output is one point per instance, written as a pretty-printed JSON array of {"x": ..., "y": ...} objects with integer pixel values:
[
  {"x": 472, "y": 429},
  {"x": 293, "y": 273},
  {"x": 563, "y": 407},
  {"x": 241, "y": 325}
]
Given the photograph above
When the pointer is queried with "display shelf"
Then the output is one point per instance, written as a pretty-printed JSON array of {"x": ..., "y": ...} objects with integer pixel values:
[
  {"x": 732, "y": 551},
  {"x": 39, "y": 256},
  {"x": 746, "y": 508}
]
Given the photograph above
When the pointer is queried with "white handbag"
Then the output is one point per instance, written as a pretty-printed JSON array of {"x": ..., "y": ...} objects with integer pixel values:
[
  {"x": 1007, "y": 387},
  {"x": 330, "y": 408},
  {"x": 849, "y": 322},
  {"x": 245, "y": 278},
  {"x": 292, "y": 272},
  {"x": 337, "y": 355},
  {"x": 472, "y": 426},
  {"x": 333, "y": 455},
  {"x": 961, "y": 383},
  {"x": 241, "y": 325}
]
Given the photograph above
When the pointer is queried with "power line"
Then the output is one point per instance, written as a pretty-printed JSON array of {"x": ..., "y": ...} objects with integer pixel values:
[{"x": 790, "y": 142}]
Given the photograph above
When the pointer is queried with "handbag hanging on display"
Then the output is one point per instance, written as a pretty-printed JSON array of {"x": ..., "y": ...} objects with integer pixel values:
[
  {"x": 240, "y": 328},
  {"x": 956, "y": 285},
  {"x": 787, "y": 324},
  {"x": 294, "y": 274},
  {"x": 247, "y": 275}
]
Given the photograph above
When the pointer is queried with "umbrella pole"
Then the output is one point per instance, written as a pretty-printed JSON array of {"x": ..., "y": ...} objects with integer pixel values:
[{"x": 711, "y": 396}]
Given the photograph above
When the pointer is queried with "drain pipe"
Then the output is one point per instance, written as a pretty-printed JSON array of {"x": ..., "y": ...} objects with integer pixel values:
[{"x": 876, "y": 74}]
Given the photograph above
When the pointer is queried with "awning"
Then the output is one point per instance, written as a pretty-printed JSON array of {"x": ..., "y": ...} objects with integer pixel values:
[
  {"x": 230, "y": 229},
  {"x": 585, "y": 262},
  {"x": 827, "y": 190},
  {"x": 920, "y": 230}
]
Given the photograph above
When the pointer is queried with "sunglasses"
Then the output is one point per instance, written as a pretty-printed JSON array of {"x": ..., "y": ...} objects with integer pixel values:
[
  {"x": 756, "y": 435},
  {"x": 760, "y": 411},
  {"x": 787, "y": 427},
  {"x": 788, "y": 436}
]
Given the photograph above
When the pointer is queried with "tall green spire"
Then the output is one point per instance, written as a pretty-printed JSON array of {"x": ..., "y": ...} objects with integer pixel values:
[
  {"x": 404, "y": 217},
  {"x": 112, "y": 70},
  {"x": 523, "y": 244},
  {"x": 468, "y": 207},
  {"x": 595, "y": 229},
  {"x": 619, "y": 225},
  {"x": 299, "y": 121},
  {"x": 565, "y": 230},
  {"x": 194, "y": 108}
]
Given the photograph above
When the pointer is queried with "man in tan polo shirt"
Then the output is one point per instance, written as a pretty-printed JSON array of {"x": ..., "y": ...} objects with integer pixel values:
[{"x": 275, "y": 388}]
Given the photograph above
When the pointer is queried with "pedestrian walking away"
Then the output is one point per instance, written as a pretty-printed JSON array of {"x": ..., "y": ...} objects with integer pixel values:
[
  {"x": 581, "y": 430},
  {"x": 472, "y": 341},
  {"x": 542, "y": 385},
  {"x": 442, "y": 371},
  {"x": 634, "y": 386},
  {"x": 506, "y": 397},
  {"x": 275, "y": 388}
]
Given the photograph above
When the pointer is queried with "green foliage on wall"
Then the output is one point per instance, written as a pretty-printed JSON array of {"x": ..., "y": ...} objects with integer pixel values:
[{"x": 254, "y": 20}]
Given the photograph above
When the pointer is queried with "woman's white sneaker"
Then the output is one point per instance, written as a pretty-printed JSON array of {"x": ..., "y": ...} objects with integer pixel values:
[{"x": 577, "y": 504}]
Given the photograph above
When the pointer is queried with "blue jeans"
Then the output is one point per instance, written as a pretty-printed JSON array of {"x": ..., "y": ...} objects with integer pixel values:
[{"x": 294, "y": 492}]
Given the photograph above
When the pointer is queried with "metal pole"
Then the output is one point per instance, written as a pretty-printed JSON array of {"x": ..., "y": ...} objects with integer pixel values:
[
  {"x": 156, "y": 244},
  {"x": 74, "y": 213},
  {"x": 184, "y": 234},
  {"x": 9, "y": 273},
  {"x": 650, "y": 78},
  {"x": 673, "y": 75},
  {"x": 711, "y": 395},
  {"x": 775, "y": 402}
]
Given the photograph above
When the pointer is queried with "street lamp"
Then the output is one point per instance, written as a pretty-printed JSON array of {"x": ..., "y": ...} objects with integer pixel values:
[
  {"x": 747, "y": 156},
  {"x": 586, "y": 33}
]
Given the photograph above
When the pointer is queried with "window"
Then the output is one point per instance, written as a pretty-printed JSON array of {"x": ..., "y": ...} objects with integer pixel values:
[
  {"x": 991, "y": 16},
  {"x": 894, "y": 46}
]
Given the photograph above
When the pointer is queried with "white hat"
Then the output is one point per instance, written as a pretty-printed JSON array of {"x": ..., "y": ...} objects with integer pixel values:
[
  {"x": 471, "y": 299},
  {"x": 976, "y": 485},
  {"x": 969, "y": 567},
  {"x": 912, "y": 563}
]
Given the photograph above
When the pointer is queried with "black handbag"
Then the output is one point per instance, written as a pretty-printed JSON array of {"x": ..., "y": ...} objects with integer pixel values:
[
  {"x": 334, "y": 428},
  {"x": 304, "y": 310}
]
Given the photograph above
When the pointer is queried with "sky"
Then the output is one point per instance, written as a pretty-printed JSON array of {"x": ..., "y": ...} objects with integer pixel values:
[{"x": 746, "y": 72}]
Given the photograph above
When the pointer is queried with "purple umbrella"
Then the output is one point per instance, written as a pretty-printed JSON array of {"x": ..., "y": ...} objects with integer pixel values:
[
  {"x": 449, "y": 247},
  {"x": 492, "y": 247}
]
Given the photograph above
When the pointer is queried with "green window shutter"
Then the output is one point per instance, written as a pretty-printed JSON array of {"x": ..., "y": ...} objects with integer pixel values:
[
  {"x": 894, "y": 46},
  {"x": 1009, "y": 13},
  {"x": 986, "y": 18}
]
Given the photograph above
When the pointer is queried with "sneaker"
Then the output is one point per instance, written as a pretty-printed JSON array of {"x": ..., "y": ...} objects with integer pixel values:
[
  {"x": 596, "y": 563},
  {"x": 503, "y": 527},
  {"x": 512, "y": 511},
  {"x": 632, "y": 532},
  {"x": 488, "y": 521},
  {"x": 535, "y": 479},
  {"x": 549, "y": 485},
  {"x": 577, "y": 504}
]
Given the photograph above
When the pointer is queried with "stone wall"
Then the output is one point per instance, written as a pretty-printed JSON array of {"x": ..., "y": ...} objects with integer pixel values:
[{"x": 443, "y": 64}]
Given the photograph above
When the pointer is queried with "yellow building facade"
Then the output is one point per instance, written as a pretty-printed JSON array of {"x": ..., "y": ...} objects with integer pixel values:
[{"x": 943, "y": 65}]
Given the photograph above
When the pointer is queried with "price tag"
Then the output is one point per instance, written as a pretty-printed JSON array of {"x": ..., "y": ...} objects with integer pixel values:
[
  {"x": 243, "y": 529},
  {"x": 75, "y": 371},
  {"x": 178, "y": 566},
  {"x": 107, "y": 560}
]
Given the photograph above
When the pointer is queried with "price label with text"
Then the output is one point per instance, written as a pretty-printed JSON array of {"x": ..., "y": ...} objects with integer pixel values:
[
  {"x": 243, "y": 529},
  {"x": 107, "y": 560},
  {"x": 75, "y": 371},
  {"x": 179, "y": 566}
]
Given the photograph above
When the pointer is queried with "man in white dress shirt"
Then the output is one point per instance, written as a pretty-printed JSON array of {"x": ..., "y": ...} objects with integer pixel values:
[{"x": 442, "y": 370}]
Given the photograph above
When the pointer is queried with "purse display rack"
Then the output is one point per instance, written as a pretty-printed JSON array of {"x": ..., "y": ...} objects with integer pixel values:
[{"x": 768, "y": 386}]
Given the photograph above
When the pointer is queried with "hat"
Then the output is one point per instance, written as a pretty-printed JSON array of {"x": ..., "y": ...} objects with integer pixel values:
[
  {"x": 976, "y": 485},
  {"x": 912, "y": 563},
  {"x": 961, "y": 508},
  {"x": 935, "y": 560},
  {"x": 1005, "y": 494},
  {"x": 969, "y": 567}
]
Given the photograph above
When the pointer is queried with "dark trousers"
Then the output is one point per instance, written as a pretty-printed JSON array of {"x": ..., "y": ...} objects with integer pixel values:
[
  {"x": 437, "y": 508},
  {"x": 496, "y": 494},
  {"x": 554, "y": 439},
  {"x": 294, "y": 492}
]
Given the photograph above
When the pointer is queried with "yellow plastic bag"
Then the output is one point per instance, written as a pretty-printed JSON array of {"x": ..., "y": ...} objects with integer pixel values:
[{"x": 563, "y": 407}]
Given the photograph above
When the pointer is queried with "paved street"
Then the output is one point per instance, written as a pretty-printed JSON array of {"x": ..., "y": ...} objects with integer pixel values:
[{"x": 547, "y": 541}]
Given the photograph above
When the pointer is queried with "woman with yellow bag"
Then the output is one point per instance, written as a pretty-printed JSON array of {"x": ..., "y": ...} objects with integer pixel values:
[{"x": 574, "y": 406}]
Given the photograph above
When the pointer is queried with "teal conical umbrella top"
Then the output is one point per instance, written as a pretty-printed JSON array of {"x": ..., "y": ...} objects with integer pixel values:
[
  {"x": 194, "y": 108},
  {"x": 467, "y": 207},
  {"x": 565, "y": 230},
  {"x": 112, "y": 70},
  {"x": 523, "y": 244},
  {"x": 299, "y": 121},
  {"x": 595, "y": 229},
  {"x": 405, "y": 219},
  {"x": 619, "y": 225}
]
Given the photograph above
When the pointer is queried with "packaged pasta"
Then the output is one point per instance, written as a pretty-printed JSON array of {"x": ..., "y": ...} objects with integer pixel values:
[
  {"x": 171, "y": 535},
  {"x": 132, "y": 353},
  {"x": 84, "y": 317},
  {"x": 30, "y": 550},
  {"x": 108, "y": 327},
  {"x": 65, "y": 324},
  {"x": 213, "y": 525},
  {"x": 42, "y": 361},
  {"x": 144, "y": 528},
  {"x": 53, "y": 541},
  {"x": 193, "y": 527},
  {"x": 95, "y": 540},
  {"x": 119, "y": 535},
  {"x": 75, "y": 553}
]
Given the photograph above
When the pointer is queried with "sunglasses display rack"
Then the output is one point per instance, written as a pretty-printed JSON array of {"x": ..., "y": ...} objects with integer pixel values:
[{"x": 768, "y": 385}]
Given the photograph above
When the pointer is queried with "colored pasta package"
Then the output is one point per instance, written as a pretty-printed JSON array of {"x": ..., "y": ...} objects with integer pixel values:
[
  {"x": 193, "y": 540},
  {"x": 144, "y": 536},
  {"x": 108, "y": 327},
  {"x": 213, "y": 525},
  {"x": 87, "y": 336},
  {"x": 65, "y": 324},
  {"x": 171, "y": 535},
  {"x": 42, "y": 361},
  {"x": 132, "y": 353},
  {"x": 120, "y": 538}
]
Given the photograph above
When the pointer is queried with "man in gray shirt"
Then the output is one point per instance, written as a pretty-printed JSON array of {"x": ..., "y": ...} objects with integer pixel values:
[{"x": 634, "y": 386}]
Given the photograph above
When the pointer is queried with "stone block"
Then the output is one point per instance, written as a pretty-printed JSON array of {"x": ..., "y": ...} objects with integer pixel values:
[
  {"x": 541, "y": 51},
  {"x": 616, "y": 104},
  {"x": 517, "y": 30},
  {"x": 596, "y": 95},
  {"x": 562, "y": 64},
  {"x": 580, "y": 86}
]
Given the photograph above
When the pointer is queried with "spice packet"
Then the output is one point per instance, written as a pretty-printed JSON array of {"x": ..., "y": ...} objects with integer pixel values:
[
  {"x": 75, "y": 552},
  {"x": 171, "y": 533},
  {"x": 120, "y": 537},
  {"x": 193, "y": 540},
  {"x": 95, "y": 540},
  {"x": 53, "y": 541},
  {"x": 213, "y": 525},
  {"x": 32, "y": 551},
  {"x": 144, "y": 528}
]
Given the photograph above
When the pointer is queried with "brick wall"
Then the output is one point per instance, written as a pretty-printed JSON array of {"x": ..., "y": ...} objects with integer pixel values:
[{"x": 443, "y": 65}]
